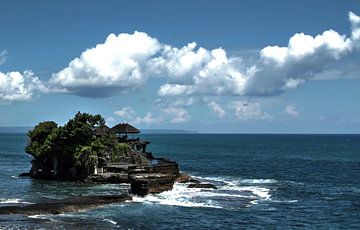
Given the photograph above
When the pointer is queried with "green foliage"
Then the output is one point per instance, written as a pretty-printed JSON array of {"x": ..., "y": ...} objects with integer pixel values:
[
  {"x": 38, "y": 137},
  {"x": 73, "y": 144},
  {"x": 87, "y": 156},
  {"x": 120, "y": 150}
]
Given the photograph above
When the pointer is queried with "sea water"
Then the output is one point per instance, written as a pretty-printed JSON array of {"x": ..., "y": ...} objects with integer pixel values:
[{"x": 264, "y": 181}]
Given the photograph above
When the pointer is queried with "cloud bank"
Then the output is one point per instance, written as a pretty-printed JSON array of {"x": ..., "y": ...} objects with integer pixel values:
[
  {"x": 124, "y": 62},
  {"x": 169, "y": 114}
]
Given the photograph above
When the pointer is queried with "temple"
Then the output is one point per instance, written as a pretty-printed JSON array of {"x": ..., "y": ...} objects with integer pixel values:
[{"x": 138, "y": 167}]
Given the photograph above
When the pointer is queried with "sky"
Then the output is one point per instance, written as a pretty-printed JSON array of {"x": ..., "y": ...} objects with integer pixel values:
[{"x": 245, "y": 66}]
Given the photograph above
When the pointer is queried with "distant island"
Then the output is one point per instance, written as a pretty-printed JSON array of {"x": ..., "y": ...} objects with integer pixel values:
[{"x": 167, "y": 131}]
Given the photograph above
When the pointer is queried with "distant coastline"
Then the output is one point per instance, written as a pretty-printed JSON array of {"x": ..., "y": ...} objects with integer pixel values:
[
  {"x": 14, "y": 130},
  {"x": 20, "y": 130},
  {"x": 167, "y": 131}
]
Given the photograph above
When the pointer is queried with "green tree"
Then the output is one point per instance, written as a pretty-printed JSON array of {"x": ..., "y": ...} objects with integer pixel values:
[{"x": 38, "y": 137}]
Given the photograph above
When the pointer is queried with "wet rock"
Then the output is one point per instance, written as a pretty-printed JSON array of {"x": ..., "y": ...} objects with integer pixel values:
[
  {"x": 185, "y": 178},
  {"x": 205, "y": 185},
  {"x": 109, "y": 178},
  {"x": 24, "y": 174},
  {"x": 61, "y": 206},
  {"x": 144, "y": 183}
]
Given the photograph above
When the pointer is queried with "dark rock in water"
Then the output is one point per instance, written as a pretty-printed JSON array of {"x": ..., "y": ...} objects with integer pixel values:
[
  {"x": 156, "y": 178},
  {"x": 109, "y": 178},
  {"x": 185, "y": 178},
  {"x": 24, "y": 174},
  {"x": 144, "y": 183},
  {"x": 202, "y": 186},
  {"x": 62, "y": 206}
]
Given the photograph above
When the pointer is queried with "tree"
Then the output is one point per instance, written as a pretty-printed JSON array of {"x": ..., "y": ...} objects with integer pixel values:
[
  {"x": 38, "y": 137},
  {"x": 63, "y": 148}
]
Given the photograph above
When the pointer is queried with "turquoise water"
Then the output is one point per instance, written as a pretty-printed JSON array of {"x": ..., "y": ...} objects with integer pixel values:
[{"x": 264, "y": 181}]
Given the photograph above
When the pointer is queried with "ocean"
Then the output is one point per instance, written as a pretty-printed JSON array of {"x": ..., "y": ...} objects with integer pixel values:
[{"x": 264, "y": 181}]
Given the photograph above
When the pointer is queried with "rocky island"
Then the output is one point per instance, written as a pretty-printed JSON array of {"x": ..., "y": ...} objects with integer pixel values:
[{"x": 87, "y": 150}]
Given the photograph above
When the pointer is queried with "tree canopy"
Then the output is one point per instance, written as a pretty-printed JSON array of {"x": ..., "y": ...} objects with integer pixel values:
[{"x": 75, "y": 143}]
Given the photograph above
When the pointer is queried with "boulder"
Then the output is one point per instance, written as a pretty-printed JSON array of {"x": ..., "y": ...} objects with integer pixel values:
[
  {"x": 205, "y": 185},
  {"x": 24, "y": 174},
  {"x": 185, "y": 178},
  {"x": 144, "y": 183}
]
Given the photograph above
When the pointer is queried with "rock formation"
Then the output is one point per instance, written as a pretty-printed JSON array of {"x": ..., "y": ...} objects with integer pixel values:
[{"x": 85, "y": 149}]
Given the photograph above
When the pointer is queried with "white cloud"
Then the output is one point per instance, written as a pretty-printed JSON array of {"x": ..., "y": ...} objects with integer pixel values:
[
  {"x": 246, "y": 111},
  {"x": 176, "y": 115},
  {"x": 126, "y": 114},
  {"x": 16, "y": 86},
  {"x": 282, "y": 68},
  {"x": 355, "y": 25},
  {"x": 3, "y": 57},
  {"x": 220, "y": 112},
  {"x": 117, "y": 65},
  {"x": 124, "y": 62},
  {"x": 292, "y": 110},
  {"x": 277, "y": 70},
  {"x": 149, "y": 118},
  {"x": 166, "y": 115}
]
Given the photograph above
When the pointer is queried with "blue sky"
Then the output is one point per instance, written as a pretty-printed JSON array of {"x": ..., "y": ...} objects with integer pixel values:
[{"x": 211, "y": 66}]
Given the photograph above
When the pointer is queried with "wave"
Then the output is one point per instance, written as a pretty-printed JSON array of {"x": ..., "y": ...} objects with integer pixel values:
[
  {"x": 13, "y": 201},
  {"x": 110, "y": 221},
  {"x": 232, "y": 193}
]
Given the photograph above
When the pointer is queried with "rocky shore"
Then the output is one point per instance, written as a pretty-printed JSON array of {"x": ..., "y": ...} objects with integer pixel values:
[
  {"x": 157, "y": 177},
  {"x": 74, "y": 204},
  {"x": 88, "y": 151}
]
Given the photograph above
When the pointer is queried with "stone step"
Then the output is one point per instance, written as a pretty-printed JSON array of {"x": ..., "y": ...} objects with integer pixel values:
[
  {"x": 119, "y": 168},
  {"x": 109, "y": 177}
]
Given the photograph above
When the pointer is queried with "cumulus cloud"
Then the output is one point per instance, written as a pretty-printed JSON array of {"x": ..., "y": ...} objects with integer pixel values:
[
  {"x": 355, "y": 25},
  {"x": 124, "y": 62},
  {"x": 247, "y": 111},
  {"x": 127, "y": 114},
  {"x": 292, "y": 110},
  {"x": 16, "y": 86},
  {"x": 176, "y": 114},
  {"x": 117, "y": 65},
  {"x": 3, "y": 57},
  {"x": 165, "y": 115},
  {"x": 220, "y": 112}
]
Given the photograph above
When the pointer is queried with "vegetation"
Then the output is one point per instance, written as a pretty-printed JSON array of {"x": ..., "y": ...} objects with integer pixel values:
[
  {"x": 74, "y": 144},
  {"x": 120, "y": 150}
]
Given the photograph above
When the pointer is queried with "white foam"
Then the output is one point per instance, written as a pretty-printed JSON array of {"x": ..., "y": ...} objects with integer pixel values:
[
  {"x": 258, "y": 181},
  {"x": 43, "y": 217},
  {"x": 110, "y": 221},
  {"x": 12, "y": 201},
  {"x": 229, "y": 189},
  {"x": 178, "y": 196},
  {"x": 39, "y": 216}
]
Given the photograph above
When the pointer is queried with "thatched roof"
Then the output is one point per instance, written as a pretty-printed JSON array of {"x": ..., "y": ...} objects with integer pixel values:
[
  {"x": 102, "y": 130},
  {"x": 124, "y": 128}
]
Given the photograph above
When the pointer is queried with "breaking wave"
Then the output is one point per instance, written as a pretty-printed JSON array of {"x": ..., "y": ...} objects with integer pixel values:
[
  {"x": 12, "y": 201},
  {"x": 231, "y": 194}
]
